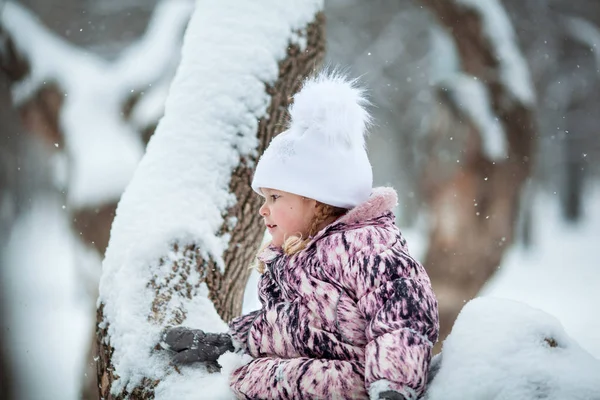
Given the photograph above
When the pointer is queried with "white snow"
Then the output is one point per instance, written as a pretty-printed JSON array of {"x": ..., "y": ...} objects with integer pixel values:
[
  {"x": 443, "y": 55},
  {"x": 498, "y": 349},
  {"x": 471, "y": 96},
  {"x": 514, "y": 71},
  {"x": 180, "y": 190},
  {"x": 560, "y": 273},
  {"x": 195, "y": 383},
  {"x": 151, "y": 105},
  {"x": 158, "y": 50},
  {"x": 468, "y": 93},
  {"x": 51, "y": 317},
  {"x": 103, "y": 149},
  {"x": 251, "y": 301},
  {"x": 586, "y": 33}
]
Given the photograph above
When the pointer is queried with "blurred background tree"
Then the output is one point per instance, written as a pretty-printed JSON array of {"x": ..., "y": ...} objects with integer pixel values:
[
  {"x": 60, "y": 153},
  {"x": 403, "y": 55},
  {"x": 399, "y": 50}
]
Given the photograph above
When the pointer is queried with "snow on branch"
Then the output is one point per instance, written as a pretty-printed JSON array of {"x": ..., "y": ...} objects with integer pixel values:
[
  {"x": 586, "y": 33},
  {"x": 151, "y": 105},
  {"x": 103, "y": 149},
  {"x": 147, "y": 59},
  {"x": 444, "y": 58},
  {"x": 499, "y": 82},
  {"x": 467, "y": 94},
  {"x": 171, "y": 214},
  {"x": 45, "y": 52},
  {"x": 514, "y": 72},
  {"x": 471, "y": 97}
]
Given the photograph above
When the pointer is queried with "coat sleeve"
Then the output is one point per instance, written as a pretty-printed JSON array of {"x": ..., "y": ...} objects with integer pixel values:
[
  {"x": 401, "y": 312},
  {"x": 298, "y": 378},
  {"x": 240, "y": 327}
]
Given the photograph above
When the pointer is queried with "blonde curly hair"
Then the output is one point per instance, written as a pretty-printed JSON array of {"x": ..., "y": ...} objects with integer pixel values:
[{"x": 295, "y": 244}]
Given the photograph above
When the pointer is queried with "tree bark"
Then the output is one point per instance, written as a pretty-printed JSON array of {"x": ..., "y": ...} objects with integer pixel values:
[
  {"x": 225, "y": 289},
  {"x": 474, "y": 204}
]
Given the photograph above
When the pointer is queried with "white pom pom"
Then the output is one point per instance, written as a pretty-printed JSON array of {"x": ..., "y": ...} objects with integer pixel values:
[{"x": 331, "y": 105}]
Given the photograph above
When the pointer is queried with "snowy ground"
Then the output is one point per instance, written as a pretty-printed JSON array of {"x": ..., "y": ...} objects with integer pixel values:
[
  {"x": 50, "y": 316},
  {"x": 560, "y": 274},
  {"x": 50, "y": 320}
]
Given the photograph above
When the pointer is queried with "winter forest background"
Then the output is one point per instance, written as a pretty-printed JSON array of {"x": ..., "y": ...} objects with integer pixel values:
[{"x": 486, "y": 124}]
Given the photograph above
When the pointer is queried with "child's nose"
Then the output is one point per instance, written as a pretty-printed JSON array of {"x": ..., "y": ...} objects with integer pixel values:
[{"x": 264, "y": 210}]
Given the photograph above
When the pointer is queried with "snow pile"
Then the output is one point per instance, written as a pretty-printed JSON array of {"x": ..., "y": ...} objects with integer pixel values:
[
  {"x": 103, "y": 148},
  {"x": 180, "y": 191},
  {"x": 213, "y": 386},
  {"x": 504, "y": 350}
]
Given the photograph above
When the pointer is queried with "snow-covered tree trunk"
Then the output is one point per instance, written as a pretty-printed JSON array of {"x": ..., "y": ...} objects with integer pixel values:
[
  {"x": 487, "y": 119},
  {"x": 187, "y": 226}
]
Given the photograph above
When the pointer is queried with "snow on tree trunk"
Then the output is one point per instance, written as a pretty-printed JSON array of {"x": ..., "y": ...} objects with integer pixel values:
[
  {"x": 486, "y": 124},
  {"x": 187, "y": 226}
]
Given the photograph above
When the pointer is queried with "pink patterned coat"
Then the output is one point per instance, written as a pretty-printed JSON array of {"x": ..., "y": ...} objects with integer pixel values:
[{"x": 349, "y": 316}]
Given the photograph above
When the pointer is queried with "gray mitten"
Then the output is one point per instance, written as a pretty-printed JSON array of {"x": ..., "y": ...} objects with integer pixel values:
[
  {"x": 391, "y": 395},
  {"x": 194, "y": 345}
]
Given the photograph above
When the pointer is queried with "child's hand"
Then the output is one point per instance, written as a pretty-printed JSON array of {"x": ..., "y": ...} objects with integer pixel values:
[{"x": 194, "y": 345}]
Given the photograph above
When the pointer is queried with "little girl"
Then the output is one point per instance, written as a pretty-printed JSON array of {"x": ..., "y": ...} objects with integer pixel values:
[{"x": 346, "y": 312}]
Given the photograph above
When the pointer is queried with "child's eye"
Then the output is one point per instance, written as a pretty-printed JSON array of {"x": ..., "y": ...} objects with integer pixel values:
[{"x": 274, "y": 197}]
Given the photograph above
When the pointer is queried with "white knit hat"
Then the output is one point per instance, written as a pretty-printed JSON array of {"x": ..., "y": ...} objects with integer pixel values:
[{"x": 322, "y": 155}]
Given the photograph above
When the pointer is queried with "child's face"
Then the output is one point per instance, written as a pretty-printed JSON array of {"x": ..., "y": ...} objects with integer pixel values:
[{"x": 286, "y": 214}]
